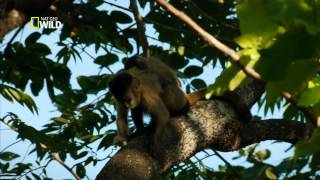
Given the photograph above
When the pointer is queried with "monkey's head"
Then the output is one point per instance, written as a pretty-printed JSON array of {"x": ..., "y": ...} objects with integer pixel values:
[{"x": 126, "y": 89}]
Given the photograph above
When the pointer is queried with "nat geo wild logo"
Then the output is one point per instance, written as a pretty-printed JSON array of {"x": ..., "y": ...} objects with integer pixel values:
[{"x": 45, "y": 22}]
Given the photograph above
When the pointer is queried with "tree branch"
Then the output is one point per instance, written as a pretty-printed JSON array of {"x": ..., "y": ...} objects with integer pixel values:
[
  {"x": 140, "y": 28},
  {"x": 236, "y": 174},
  {"x": 284, "y": 130},
  {"x": 56, "y": 157},
  {"x": 208, "y": 124},
  {"x": 234, "y": 57}
]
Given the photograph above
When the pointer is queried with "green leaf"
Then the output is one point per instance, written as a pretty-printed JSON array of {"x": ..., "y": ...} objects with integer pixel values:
[
  {"x": 198, "y": 83},
  {"x": 176, "y": 61},
  {"x": 32, "y": 38},
  {"x": 40, "y": 48},
  {"x": 93, "y": 84},
  {"x": 107, "y": 140},
  {"x": 61, "y": 75},
  {"x": 310, "y": 97},
  {"x": 35, "y": 176},
  {"x": 192, "y": 71},
  {"x": 120, "y": 17},
  {"x": 22, "y": 98},
  {"x": 309, "y": 147},
  {"x": 292, "y": 47},
  {"x": 106, "y": 60},
  {"x": 291, "y": 81},
  {"x": 251, "y": 26},
  {"x": 82, "y": 154},
  {"x": 96, "y": 3},
  {"x": 8, "y": 156},
  {"x": 81, "y": 171},
  {"x": 263, "y": 154},
  {"x": 270, "y": 174}
]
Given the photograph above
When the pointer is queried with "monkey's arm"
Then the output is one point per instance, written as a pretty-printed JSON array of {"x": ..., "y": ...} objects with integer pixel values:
[{"x": 122, "y": 124}]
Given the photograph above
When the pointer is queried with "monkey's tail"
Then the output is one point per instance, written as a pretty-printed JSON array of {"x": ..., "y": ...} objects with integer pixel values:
[{"x": 196, "y": 96}]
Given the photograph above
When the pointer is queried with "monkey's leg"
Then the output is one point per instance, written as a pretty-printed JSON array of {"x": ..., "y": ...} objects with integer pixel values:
[
  {"x": 160, "y": 114},
  {"x": 137, "y": 117}
]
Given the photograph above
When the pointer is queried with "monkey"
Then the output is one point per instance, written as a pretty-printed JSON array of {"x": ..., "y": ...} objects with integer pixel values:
[
  {"x": 228, "y": 96},
  {"x": 147, "y": 86}
]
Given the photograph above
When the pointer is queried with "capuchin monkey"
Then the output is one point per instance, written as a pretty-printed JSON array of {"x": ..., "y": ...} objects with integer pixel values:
[{"x": 146, "y": 85}]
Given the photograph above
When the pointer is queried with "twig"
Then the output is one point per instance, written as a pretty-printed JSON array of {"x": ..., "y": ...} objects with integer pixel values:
[
  {"x": 31, "y": 170},
  {"x": 14, "y": 36},
  {"x": 7, "y": 147},
  {"x": 167, "y": 27},
  {"x": 210, "y": 17},
  {"x": 234, "y": 57},
  {"x": 115, "y": 5},
  {"x": 83, "y": 49},
  {"x": 235, "y": 173},
  {"x": 212, "y": 41},
  {"x": 56, "y": 157},
  {"x": 140, "y": 28}
]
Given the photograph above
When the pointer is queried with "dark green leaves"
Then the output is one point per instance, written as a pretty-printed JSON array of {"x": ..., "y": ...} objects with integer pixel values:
[
  {"x": 106, "y": 60},
  {"x": 32, "y": 38},
  {"x": 310, "y": 147},
  {"x": 121, "y": 17},
  {"x": 22, "y": 98},
  {"x": 93, "y": 84},
  {"x": 8, "y": 156},
  {"x": 81, "y": 171},
  {"x": 192, "y": 71},
  {"x": 198, "y": 83}
]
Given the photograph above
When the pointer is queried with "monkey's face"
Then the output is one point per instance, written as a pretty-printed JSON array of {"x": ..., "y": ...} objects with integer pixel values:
[
  {"x": 126, "y": 89},
  {"x": 132, "y": 97}
]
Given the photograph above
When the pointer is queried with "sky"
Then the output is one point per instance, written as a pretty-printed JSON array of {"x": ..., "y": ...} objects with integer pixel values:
[{"x": 87, "y": 67}]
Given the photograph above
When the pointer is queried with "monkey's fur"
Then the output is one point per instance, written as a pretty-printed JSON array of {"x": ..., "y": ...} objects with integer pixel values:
[{"x": 148, "y": 85}]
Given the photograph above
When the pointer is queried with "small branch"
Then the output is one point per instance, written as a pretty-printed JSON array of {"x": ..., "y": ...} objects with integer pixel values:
[
  {"x": 235, "y": 173},
  {"x": 210, "y": 17},
  {"x": 307, "y": 111},
  {"x": 141, "y": 28},
  {"x": 201, "y": 32},
  {"x": 56, "y": 157},
  {"x": 31, "y": 170},
  {"x": 14, "y": 36},
  {"x": 10, "y": 145},
  {"x": 115, "y": 5},
  {"x": 167, "y": 27},
  {"x": 234, "y": 57}
]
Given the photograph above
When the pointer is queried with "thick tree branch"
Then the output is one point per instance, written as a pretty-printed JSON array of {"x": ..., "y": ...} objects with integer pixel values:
[
  {"x": 140, "y": 28},
  {"x": 283, "y": 130},
  {"x": 209, "y": 124},
  {"x": 234, "y": 57}
]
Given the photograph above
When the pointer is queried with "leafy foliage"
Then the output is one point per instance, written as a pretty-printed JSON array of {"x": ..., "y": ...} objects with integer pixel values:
[{"x": 279, "y": 39}]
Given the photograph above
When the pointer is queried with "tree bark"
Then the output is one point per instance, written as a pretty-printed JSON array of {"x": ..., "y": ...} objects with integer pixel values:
[{"x": 209, "y": 124}]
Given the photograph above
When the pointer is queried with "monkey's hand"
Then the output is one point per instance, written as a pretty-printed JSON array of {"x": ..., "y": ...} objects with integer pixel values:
[{"x": 120, "y": 140}]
